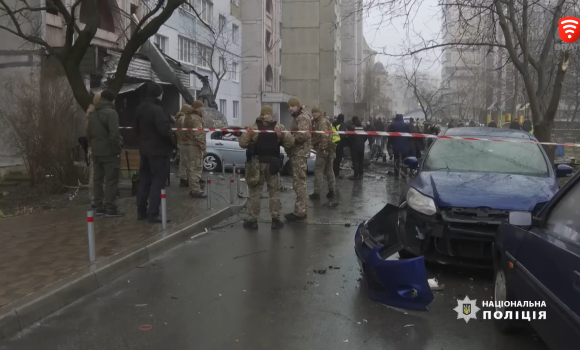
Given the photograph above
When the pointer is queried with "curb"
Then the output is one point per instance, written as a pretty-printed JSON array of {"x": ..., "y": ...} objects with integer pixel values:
[{"x": 24, "y": 312}]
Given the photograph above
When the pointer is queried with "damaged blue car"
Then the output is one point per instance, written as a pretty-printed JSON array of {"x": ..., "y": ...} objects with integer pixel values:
[{"x": 450, "y": 210}]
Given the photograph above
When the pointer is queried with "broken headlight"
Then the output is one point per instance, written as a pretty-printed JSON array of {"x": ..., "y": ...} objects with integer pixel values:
[{"x": 421, "y": 203}]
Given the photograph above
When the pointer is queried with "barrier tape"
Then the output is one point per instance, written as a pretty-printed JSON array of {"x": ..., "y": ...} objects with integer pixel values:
[{"x": 375, "y": 133}]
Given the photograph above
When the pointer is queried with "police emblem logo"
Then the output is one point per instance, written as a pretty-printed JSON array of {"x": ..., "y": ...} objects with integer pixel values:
[{"x": 466, "y": 309}]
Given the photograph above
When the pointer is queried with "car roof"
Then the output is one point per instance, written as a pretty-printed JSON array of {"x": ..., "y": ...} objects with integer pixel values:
[{"x": 485, "y": 132}]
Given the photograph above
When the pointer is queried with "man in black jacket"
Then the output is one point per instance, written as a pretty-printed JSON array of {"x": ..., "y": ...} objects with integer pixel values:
[
  {"x": 153, "y": 127},
  {"x": 356, "y": 143}
]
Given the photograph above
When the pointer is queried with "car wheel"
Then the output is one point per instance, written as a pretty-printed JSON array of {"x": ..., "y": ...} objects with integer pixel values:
[
  {"x": 212, "y": 162},
  {"x": 502, "y": 293},
  {"x": 405, "y": 254}
]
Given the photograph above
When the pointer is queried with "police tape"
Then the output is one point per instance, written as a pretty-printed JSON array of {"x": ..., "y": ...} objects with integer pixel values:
[{"x": 373, "y": 133}]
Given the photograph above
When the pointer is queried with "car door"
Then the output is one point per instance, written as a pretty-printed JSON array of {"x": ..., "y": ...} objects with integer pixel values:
[
  {"x": 229, "y": 149},
  {"x": 547, "y": 268}
]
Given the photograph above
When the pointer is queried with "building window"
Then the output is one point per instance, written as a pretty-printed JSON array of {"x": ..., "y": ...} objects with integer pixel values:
[
  {"x": 234, "y": 72},
  {"x": 161, "y": 42},
  {"x": 235, "y": 33},
  {"x": 222, "y": 23},
  {"x": 51, "y": 8},
  {"x": 186, "y": 50},
  {"x": 223, "y": 67},
  {"x": 106, "y": 18},
  {"x": 205, "y": 9},
  {"x": 203, "y": 56},
  {"x": 236, "y": 106},
  {"x": 269, "y": 74},
  {"x": 185, "y": 6},
  {"x": 269, "y": 6},
  {"x": 268, "y": 39},
  {"x": 223, "y": 107}
]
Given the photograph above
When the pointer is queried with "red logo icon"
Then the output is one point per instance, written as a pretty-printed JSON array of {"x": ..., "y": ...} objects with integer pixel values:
[{"x": 569, "y": 29}]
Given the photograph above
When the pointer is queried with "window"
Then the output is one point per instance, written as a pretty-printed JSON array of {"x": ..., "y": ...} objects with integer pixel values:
[
  {"x": 269, "y": 74},
  {"x": 203, "y": 56},
  {"x": 185, "y": 6},
  {"x": 234, "y": 72},
  {"x": 563, "y": 220},
  {"x": 222, "y": 23},
  {"x": 186, "y": 50},
  {"x": 268, "y": 39},
  {"x": 223, "y": 68},
  {"x": 223, "y": 107},
  {"x": 106, "y": 20},
  {"x": 161, "y": 42},
  {"x": 269, "y": 6},
  {"x": 236, "y": 109},
  {"x": 52, "y": 8},
  {"x": 205, "y": 9},
  {"x": 235, "y": 33}
]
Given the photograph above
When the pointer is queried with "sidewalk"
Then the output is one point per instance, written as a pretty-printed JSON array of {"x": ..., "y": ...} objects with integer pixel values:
[{"x": 40, "y": 249}]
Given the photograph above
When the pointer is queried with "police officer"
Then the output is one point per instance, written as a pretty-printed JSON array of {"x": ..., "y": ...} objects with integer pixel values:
[
  {"x": 263, "y": 165},
  {"x": 325, "y": 154},
  {"x": 298, "y": 155}
]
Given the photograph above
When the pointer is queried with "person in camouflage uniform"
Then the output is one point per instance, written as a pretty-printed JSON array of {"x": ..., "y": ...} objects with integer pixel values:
[
  {"x": 325, "y": 154},
  {"x": 191, "y": 147},
  {"x": 298, "y": 155},
  {"x": 264, "y": 165}
]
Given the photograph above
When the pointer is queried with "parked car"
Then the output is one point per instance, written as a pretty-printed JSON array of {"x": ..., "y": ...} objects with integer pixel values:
[
  {"x": 224, "y": 145},
  {"x": 537, "y": 259}
]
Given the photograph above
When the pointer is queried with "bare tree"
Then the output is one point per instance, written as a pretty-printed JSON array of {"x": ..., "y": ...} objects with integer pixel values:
[
  {"x": 23, "y": 20},
  {"x": 428, "y": 97},
  {"x": 571, "y": 93},
  {"x": 214, "y": 49}
]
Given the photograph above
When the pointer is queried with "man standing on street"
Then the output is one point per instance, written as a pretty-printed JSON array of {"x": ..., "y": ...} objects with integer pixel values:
[
  {"x": 263, "y": 165},
  {"x": 153, "y": 127},
  {"x": 298, "y": 155},
  {"x": 338, "y": 140},
  {"x": 357, "y": 149},
  {"x": 104, "y": 137},
  {"x": 191, "y": 147},
  {"x": 400, "y": 145},
  {"x": 325, "y": 154}
]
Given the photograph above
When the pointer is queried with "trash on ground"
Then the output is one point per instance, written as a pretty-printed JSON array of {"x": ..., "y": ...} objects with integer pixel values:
[
  {"x": 320, "y": 272},
  {"x": 409, "y": 325},
  {"x": 172, "y": 297},
  {"x": 345, "y": 341},
  {"x": 140, "y": 305},
  {"x": 434, "y": 284},
  {"x": 243, "y": 180},
  {"x": 364, "y": 320}
]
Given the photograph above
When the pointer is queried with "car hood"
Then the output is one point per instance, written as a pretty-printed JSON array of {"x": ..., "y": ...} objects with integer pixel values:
[{"x": 474, "y": 190}]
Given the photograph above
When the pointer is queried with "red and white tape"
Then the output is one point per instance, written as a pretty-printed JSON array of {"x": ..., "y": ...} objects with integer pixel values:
[{"x": 376, "y": 133}]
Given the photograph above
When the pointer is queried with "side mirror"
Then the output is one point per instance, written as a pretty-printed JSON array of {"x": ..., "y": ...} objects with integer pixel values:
[
  {"x": 411, "y": 162},
  {"x": 563, "y": 170},
  {"x": 520, "y": 218}
]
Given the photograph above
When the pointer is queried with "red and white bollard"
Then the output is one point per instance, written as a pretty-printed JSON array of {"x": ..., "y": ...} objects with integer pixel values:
[
  {"x": 208, "y": 187},
  {"x": 232, "y": 197},
  {"x": 163, "y": 210},
  {"x": 91, "y": 231},
  {"x": 234, "y": 169},
  {"x": 238, "y": 182}
]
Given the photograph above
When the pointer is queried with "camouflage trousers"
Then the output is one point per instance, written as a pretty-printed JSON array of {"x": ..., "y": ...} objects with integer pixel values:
[
  {"x": 190, "y": 165},
  {"x": 260, "y": 174},
  {"x": 323, "y": 166},
  {"x": 299, "y": 169}
]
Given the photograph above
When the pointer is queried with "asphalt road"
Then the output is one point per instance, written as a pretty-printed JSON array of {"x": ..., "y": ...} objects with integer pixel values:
[{"x": 234, "y": 289}]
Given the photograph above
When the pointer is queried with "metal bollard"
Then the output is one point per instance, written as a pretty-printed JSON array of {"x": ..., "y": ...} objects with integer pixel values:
[
  {"x": 224, "y": 167},
  {"x": 234, "y": 169},
  {"x": 238, "y": 182},
  {"x": 208, "y": 193},
  {"x": 163, "y": 210},
  {"x": 232, "y": 197},
  {"x": 91, "y": 230}
]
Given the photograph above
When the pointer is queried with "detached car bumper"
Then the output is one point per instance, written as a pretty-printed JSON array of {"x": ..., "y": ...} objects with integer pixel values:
[{"x": 397, "y": 283}]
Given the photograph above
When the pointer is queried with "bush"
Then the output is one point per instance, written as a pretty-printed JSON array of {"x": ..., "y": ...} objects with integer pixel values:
[{"x": 40, "y": 124}]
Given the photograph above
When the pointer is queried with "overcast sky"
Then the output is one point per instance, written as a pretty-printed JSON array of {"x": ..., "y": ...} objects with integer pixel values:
[{"x": 394, "y": 37}]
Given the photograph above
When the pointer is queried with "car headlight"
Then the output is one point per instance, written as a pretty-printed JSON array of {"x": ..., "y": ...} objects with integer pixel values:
[{"x": 420, "y": 202}]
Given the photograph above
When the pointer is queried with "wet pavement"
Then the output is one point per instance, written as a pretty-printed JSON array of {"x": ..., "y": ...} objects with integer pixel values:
[
  {"x": 237, "y": 289},
  {"x": 40, "y": 249}
]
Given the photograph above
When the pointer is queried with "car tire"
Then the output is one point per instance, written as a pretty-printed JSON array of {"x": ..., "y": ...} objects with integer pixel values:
[
  {"x": 405, "y": 254},
  {"x": 211, "y": 162},
  {"x": 502, "y": 292}
]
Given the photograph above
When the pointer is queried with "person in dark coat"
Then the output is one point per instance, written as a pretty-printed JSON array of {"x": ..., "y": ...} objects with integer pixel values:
[
  {"x": 341, "y": 142},
  {"x": 156, "y": 143},
  {"x": 400, "y": 145},
  {"x": 527, "y": 126},
  {"x": 356, "y": 144},
  {"x": 515, "y": 125},
  {"x": 492, "y": 124},
  {"x": 416, "y": 143}
]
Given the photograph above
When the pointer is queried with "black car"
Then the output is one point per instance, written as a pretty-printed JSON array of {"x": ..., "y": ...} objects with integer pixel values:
[{"x": 537, "y": 259}]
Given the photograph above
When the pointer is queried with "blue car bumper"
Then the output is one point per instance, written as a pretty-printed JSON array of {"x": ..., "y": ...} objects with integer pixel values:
[{"x": 397, "y": 283}]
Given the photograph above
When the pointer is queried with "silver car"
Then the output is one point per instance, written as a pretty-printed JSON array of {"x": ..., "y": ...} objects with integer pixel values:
[{"x": 224, "y": 146}]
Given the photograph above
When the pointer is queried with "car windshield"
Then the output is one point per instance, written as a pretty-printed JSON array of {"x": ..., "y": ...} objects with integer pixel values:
[{"x": 486, "y": 156}]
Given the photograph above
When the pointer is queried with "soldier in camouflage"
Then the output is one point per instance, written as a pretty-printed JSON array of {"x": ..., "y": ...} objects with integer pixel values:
[
  {"x": 263, "y": 165},
  {"x": 191, "y": 146},
  {"x": 325, "y": 154},
  {"x": 298, "y": 155}
]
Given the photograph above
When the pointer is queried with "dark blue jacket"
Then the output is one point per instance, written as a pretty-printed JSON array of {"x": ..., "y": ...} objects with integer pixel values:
[{"x": 399, "y": 144}]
